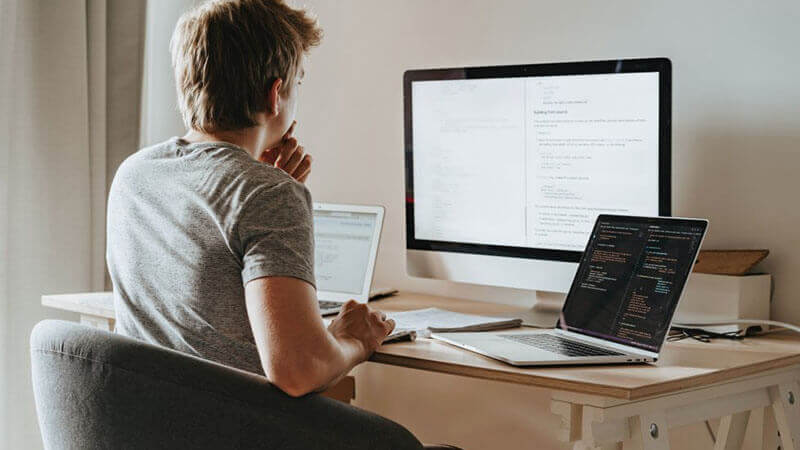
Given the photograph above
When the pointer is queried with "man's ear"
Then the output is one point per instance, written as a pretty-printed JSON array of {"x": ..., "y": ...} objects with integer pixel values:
[{"x": 274, "y": 98}]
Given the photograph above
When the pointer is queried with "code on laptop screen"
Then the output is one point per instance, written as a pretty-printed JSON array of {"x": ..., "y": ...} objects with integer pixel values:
[
  {"x": 630, "y": 279},
  {"x": 342, "y": 244}
]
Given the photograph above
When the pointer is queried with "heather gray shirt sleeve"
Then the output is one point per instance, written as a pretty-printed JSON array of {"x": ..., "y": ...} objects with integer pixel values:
[{"x": 275, "y": 229}]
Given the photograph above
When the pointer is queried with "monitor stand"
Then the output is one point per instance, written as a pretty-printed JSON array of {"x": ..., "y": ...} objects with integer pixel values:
[{"x": 545, "y": 310}]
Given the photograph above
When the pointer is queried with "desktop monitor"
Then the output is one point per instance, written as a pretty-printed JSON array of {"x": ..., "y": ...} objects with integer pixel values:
[{"x": 507, "y": 167}]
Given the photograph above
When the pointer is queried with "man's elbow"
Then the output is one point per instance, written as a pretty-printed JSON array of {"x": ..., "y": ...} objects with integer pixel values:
[{"x": 295, "y": 383}]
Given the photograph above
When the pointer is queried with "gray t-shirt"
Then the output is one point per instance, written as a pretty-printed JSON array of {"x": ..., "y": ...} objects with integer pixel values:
[{"x": 188, "y": 226}]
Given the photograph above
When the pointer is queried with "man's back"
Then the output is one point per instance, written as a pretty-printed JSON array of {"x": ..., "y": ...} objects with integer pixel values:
[
  {"x": 188, "y": 226},
  {"x": 210, "y": 244}
]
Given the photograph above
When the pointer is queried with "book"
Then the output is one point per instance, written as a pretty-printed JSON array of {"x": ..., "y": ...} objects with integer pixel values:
[{"x": 426, "y": 321}]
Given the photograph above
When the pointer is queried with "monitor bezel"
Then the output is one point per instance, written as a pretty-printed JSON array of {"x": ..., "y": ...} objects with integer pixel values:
[{"x": 661, "y": 65}]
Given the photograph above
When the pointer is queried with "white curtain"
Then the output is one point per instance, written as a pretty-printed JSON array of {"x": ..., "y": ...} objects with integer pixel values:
[
  {"x": 7, "y": 25},
  {"x": 69, "y": 108}
]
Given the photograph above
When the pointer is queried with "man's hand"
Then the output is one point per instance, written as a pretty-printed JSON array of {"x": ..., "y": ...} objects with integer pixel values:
[
  {"x": 289, "y": 156},
  {"x": 298, "y": 354},
  {"x": 357, "y": 321}
]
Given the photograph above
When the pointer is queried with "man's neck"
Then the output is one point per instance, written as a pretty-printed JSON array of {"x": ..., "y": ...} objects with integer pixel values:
[{"x": 253, "y": 139}]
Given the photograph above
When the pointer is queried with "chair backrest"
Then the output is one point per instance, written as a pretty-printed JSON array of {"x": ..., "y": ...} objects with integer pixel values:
[{"x": 96, "y": 389}]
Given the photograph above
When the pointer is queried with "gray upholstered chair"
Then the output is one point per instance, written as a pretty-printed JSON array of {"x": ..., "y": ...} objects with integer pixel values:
[{"x": 96, "y": 390}]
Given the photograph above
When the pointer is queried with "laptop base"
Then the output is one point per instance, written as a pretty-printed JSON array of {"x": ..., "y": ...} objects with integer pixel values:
[{"x": 494, "y": 346}]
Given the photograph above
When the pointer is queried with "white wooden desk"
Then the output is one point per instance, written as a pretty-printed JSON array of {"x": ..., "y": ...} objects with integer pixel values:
[{"x": 608, "y": 407}]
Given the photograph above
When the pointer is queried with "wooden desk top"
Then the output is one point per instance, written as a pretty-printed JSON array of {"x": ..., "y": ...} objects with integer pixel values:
[
  {"x": 100, "y": 304},
  {"x": 683, "y": 365}
]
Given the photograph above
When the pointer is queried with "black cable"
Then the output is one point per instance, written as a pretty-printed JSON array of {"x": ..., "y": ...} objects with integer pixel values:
[{"x": 699, "y": 334}]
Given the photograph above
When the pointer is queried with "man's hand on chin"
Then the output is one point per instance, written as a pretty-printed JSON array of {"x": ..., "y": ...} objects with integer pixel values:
[{"x": 289, "y": 156}]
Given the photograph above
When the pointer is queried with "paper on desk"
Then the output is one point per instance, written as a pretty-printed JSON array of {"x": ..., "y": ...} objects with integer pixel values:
[{"x": 429, "y": 320}]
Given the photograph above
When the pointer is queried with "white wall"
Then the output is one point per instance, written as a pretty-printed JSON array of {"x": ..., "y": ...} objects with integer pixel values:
[
  {"x": 736, "y": 103},
  {"x": 160, "y": 117},
  {"x": 8, "y": 16},
  {"x": 736, "y": 146}
]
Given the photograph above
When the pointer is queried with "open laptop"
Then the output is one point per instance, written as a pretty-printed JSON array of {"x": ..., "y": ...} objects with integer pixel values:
[
  {"x": 346, "y": 239},
  {"x": 621, "y": 302}
]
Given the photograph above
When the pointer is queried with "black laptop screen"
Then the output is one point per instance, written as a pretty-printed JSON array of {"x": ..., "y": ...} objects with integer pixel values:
[{"x": 630, "y": 279}]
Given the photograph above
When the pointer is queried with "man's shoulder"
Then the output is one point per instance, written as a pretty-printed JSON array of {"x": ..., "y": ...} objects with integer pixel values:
[
  {"x": 232, "y": 171},
  {"x": 222, "y": 176},
  {"x": 218, "y": 163},
  {"x": 142, "y": 158}
]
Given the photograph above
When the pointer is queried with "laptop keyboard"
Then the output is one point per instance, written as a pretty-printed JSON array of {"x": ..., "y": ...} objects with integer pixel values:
[
  {"x": 557, "y": 344},
  {"x": 325, "y": 304}
]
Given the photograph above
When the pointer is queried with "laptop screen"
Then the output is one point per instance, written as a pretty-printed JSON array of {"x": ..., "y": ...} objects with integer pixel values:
[
  {"x": 342, "y": 244},
  {"x": 630, "y": 279}
]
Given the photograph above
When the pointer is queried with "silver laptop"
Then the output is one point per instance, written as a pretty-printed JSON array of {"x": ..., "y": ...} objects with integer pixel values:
[
  {"x": 621, "y": 302},
  {"x": 346, "y": 239}
]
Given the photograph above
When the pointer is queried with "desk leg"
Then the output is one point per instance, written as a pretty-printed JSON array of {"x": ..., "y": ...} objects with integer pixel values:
[
  {"x": 644, "y": 431},
  {"x": 598, "y": 422},
  {"x": 102, "y": 323},
  {"x": 649, "y": 432},
  {"x": 583, "y": 446},
  {"x": 730, "y": 434},
  {"x": 584, "y": 425},
  {"x": 769, "y": 436},
  {"x": 632, "y": 444},
  {"x": 344, "y": 391},
  {"x": 571, "y": 419},
  {"x": 786, "y": 409},
  {"x": 581, "y": 425},
  {"x": 639, "y": 432}
]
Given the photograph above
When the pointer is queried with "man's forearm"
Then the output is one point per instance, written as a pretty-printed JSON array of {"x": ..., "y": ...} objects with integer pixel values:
[
  {"x": 351, "y": 355},
  {"x": 299, "y": 354},
  {"x": 332, "y": 359}
]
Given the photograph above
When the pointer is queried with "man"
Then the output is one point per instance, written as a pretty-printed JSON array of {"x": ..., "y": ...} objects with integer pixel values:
[{"x": 210, "y": 236}]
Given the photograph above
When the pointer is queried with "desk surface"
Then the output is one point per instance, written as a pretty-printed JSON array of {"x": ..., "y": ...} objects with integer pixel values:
[{"x": 683, "y": 365}]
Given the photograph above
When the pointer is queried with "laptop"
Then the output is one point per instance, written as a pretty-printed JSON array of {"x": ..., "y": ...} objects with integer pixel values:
[
  {"x": 346, "y": 241},
  {"x": 621, "y": 302}
]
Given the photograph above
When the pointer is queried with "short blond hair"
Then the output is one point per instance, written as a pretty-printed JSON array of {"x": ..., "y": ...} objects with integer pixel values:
[{"x": 227, "y": 54}]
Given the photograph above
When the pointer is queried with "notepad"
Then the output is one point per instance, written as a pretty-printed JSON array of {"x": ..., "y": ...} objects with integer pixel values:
[{"x": 428, "y": 320}]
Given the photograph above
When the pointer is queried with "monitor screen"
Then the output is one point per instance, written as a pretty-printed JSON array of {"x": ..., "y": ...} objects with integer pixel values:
[
  {"x": 630, "y": 279},
  {"x": 527, "y": 157},
  {"x": 342, "y": 245}
]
